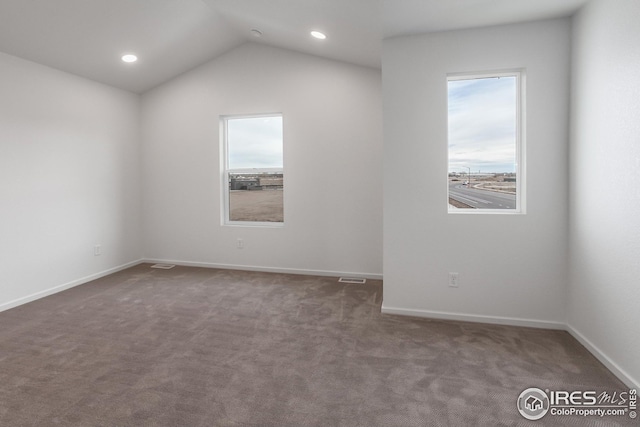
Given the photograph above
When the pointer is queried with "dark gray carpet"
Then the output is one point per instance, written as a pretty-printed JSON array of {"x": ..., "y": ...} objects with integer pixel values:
[{"x": 206, "y": 347}]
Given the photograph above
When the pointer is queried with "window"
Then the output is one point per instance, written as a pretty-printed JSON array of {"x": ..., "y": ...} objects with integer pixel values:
[
  {"x": 485, "y": 171},
  {"x": 253, "y": 174}
]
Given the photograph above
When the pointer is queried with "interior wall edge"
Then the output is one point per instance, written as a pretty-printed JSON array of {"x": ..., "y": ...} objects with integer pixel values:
[
  {"x": 475, "y": 318},
  {"x": 54, "y": 290},
  {"x": 264, "y": 269},
  {"x": 604, "y": 358},
  {"x": 609, "y": 363}
]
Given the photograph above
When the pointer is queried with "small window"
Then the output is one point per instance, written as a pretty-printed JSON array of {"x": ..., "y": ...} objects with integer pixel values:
[
  {"x": 485, "y": 143},
  {"x": 253, "y": 172}
]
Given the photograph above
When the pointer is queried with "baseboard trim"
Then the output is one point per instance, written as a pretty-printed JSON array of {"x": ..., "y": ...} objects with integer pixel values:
[
  {"x": 35, "y": 296},
  {"x": 604, "y": 359},
  {"x": 495, "y": 320},
  {"x": 305, "y": 272}
]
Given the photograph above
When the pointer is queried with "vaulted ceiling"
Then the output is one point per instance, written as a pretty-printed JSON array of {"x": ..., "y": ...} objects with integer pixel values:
[{"x": 88, "y": 37}]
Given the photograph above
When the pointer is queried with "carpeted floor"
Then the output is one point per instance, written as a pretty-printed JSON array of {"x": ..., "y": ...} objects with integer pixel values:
[{"x": 206, "y": 347}]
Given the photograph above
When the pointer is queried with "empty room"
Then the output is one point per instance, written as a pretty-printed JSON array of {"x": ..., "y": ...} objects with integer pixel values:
[{"x": 319, "y": 212}]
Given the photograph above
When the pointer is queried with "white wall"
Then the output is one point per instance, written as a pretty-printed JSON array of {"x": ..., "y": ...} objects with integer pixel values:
[
  {"x": 68, "y": 179},
  {"x": 333, "y": 162},
  {"x": 512, "y": 267},
  {"x": 604, "y": 291}
]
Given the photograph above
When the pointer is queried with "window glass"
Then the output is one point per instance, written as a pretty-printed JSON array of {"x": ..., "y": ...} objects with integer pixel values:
[
  {"x": 255, "y": 142},
  {"x": 254, "y": 175},
  {"x": 484, "y": 143}
]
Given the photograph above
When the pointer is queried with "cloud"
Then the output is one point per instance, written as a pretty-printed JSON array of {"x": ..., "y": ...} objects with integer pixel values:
[
  {"x": 482, "y": 124},
  {"x": 255, "y": 142}
]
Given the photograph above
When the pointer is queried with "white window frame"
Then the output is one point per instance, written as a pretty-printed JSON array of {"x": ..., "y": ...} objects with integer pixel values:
[
  {"x": 226, "y": 171},
  {"x": 520, "y": 168}
]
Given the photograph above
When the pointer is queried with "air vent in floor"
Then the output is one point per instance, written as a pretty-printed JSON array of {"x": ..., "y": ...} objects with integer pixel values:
[
  {"x": 354, "y": 280},
  {"x": 163, "y": 266}
]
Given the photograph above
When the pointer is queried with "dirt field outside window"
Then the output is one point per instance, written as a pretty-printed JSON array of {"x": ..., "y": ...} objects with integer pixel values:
[{"x": 256, "y": 205}]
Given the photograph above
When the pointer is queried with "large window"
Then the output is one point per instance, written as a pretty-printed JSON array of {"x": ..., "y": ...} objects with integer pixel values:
[
  {"x": 253, "y": 174},
  {"x": 485, "y": 171}
]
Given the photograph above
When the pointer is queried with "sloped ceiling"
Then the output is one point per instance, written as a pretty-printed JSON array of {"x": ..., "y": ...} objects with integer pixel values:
[{"x": 88, "y": 37}]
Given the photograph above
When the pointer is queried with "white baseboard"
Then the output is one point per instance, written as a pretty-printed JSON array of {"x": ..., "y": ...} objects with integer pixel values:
[
  {"x": 60, "y": 288},
  {"x": 496, "y": 320},
  {"x": 305, "y": 272},
  {"x": 604, "y": 359}
]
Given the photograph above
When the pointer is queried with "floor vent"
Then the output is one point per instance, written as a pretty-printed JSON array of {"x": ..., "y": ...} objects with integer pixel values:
[
  {"x": 354, "y": 280},
  {"x": 163, "y": 266}
]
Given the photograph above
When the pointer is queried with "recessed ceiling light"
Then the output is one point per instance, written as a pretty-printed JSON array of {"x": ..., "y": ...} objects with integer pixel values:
[
  {"x": 256, "y": 33},
  {"x": 318, "y": 35},
  {"x": 129, "y": 58}
]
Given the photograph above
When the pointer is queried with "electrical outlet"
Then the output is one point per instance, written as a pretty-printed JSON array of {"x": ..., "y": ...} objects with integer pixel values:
[
  {"x": 453, "y": 280},
  {"x": 240, "y": 244},
  {"x": 97, "y": 250}
]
